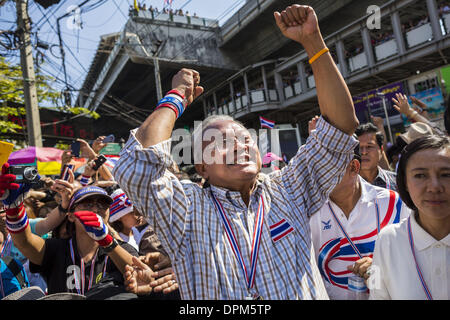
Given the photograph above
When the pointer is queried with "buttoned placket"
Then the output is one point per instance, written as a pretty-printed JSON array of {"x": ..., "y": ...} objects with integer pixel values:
[{"x": 439, "y": 270}]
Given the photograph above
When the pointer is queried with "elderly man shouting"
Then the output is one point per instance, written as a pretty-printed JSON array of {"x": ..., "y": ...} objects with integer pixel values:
[{"x": 244, "y": 235}]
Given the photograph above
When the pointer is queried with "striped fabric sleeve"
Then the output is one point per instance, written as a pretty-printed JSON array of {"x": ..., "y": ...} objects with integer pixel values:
[
  {"x": 318, "y": 166},
  {"x": 144, "y": 176}
]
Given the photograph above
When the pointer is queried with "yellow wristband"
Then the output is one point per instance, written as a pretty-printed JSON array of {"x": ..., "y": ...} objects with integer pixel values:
[{"x": 318, "y": 54}]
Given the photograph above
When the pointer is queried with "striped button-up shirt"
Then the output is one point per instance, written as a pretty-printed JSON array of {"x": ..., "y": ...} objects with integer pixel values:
[
  {"x": 186, "y": 220},
  {"x": 386, "y": 179}
]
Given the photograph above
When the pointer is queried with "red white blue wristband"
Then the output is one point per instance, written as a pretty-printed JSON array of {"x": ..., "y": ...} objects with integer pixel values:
[
  {"x": 19, "y": 224},
  {"x": 174, "y": 91},
  {"x": 172, "y": 100},
  {"x": 166, "y": 105},
  {"x": 84, "y": 180}
]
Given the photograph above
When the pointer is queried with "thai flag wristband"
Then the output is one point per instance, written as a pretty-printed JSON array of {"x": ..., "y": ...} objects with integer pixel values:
[
  {"x": 166, "y": 105},
  {"x": 173, "y": 100},
  {"x": 84, "y": 180},
  {"x": 178, "y": 93},
  {"x": 16, "y": 219}
]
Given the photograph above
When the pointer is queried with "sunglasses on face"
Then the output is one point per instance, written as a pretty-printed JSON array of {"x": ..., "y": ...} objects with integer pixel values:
[{"x": 88, "y": 205}]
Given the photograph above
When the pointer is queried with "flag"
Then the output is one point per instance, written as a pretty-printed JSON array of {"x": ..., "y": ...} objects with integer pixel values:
[
  {"x": 167, "y": 2},
  {"x": 266, "y": 123},
  {"x": 111, "y": 161},
  {"x": 136, "y": 5}
]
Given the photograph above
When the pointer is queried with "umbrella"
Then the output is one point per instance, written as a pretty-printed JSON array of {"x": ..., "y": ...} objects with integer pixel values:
[{"x": 46, "y": 160}]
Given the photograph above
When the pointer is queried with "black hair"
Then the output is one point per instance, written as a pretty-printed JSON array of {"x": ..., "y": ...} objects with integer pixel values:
[
  {"x": 395, "y": 149},
  {"x": 370, "y": 128},
  {"x": 425, "y": 142},
  {"x": 356, "y": 151},
  {"x": 117, "y": 225}
]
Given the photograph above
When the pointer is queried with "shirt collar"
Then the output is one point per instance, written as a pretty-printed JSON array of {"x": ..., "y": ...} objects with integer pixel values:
[
  {"x": 380, "y": 174},
  {"x": 368, "y": 192},
  {"x": 224, "y": 194},
  {"x": 422, "y": 239}
]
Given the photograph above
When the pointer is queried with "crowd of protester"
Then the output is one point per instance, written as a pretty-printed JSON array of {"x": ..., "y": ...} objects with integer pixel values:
[
  {"x": 346, "y": 218},
  {"x": 165, "y": 10}
]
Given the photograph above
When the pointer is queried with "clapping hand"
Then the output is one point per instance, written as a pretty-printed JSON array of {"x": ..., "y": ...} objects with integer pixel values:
[
  {"x": 141, "y": 279},
  {"x": 137, "y": 277}
]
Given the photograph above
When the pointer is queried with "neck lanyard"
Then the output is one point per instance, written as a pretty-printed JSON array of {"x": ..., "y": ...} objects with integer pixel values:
[
  {"x": 377, "y": 211},
  {"x": 419, "y": 272},
  {"x": 80, "y": 287},
  {"x": 8, "y": 244},
  {"x": 250, "y": 279}
]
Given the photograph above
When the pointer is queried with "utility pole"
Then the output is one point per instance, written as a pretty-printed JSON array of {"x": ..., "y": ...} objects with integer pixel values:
[
  {"x": 159, "y": 45},
  {"x": 380, "y": 94},
  {"x": 157, "y": 78},
  {"x": 29, "y": 77}
]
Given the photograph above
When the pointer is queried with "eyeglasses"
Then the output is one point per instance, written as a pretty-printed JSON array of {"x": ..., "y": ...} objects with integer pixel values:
[
  {"x": 88, "y": 205},
  {"x": 225, "y": 144}
]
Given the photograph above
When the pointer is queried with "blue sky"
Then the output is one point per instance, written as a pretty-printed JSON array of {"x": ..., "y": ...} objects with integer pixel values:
[{"x": 108, "y": 17}]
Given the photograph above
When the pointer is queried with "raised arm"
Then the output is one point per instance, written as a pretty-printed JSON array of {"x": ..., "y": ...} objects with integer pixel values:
[
  {"x": 299, "y": 23},
  {"x": 159, "y": 125},
  {"x": 12, "y": 195},
  {"x": 57, "y": 215}
]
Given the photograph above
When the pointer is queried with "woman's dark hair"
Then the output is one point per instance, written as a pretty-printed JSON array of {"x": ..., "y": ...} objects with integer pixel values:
[
  {"x": 117, "y": 225},
  {"x": 425, "y": 142}
]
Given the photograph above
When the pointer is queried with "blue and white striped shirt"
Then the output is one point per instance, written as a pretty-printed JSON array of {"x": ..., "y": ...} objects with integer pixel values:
[{"x": 185, "y": 219}]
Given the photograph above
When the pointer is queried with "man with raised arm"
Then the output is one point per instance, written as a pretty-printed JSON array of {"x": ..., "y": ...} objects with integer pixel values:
[{"x": 244, "y": 235}]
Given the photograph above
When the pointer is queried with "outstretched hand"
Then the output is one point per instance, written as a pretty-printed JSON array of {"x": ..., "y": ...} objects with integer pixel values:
[
  {"x": 137, "y": 277},
  {"x": 140, "y": 279},
  {"x": 401, "y": 104}
]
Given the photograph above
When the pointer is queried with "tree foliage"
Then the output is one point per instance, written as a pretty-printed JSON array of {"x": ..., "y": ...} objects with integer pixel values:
[{"x": 11, "y": 93}]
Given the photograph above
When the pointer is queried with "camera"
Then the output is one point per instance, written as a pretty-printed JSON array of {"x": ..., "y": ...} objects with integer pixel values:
[
  {"x": 26, "y": 175},
  {"x": 99, "y": 161}
]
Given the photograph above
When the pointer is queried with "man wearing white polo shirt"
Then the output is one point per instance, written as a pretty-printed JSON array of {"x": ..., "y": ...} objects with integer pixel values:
[{"x": 346, "y": 227}]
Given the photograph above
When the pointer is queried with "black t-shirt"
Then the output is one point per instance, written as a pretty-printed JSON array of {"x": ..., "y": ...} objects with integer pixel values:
[{"x": 59, "y": 270}]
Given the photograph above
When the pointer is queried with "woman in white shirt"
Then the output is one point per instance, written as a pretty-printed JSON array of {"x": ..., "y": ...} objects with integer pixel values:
[{"x": 411, "y": 260}]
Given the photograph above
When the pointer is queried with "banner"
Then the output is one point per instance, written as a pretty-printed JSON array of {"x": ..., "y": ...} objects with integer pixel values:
[
  {"x": 371, "y": 104},
  {"x": 434, "y": 100}
]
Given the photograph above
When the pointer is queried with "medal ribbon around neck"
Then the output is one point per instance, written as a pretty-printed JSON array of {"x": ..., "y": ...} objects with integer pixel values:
[
  {"x": 250, "y": 279},
  {"x": 419, "y": 272},
  {"x": 377, "y": 210},
  {"x": 82, "y": 271}
]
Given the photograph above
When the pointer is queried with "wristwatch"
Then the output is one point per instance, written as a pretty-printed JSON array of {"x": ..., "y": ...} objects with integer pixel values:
[{"x": 111, "y": 247}]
